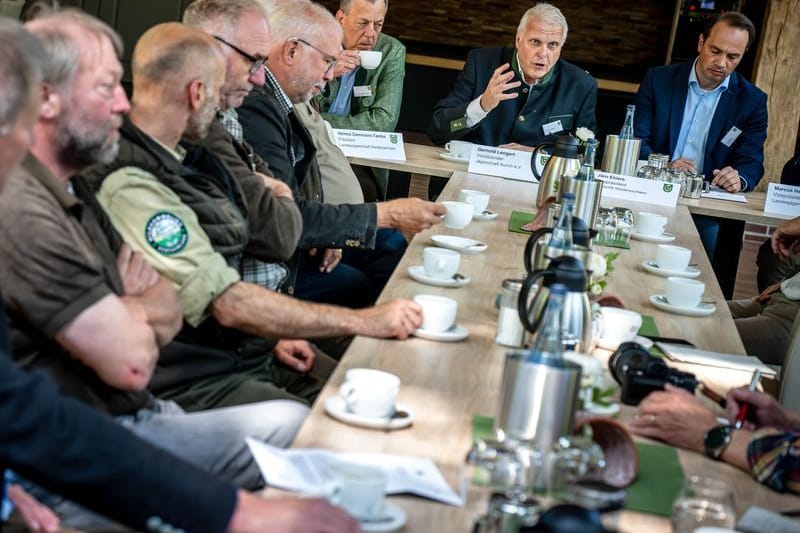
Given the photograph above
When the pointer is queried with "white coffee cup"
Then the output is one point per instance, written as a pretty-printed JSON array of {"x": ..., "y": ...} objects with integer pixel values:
[
  {"x": 459, "y": 149},
  {"x": 650, "y": 223},
  {"x": 440, "y": 263},
  {"x": 358, "y": 489},
  {"x": 458, "y": 216},
  {"x": 369, "y": 392},
  {"x": 670, "y": 257},
  {"x": 478, "y": 199},
  {"x": 618, "y": 325},
  {"x": 684, "y": 292},
  {"x": 438, "y": 312},
  {"x": 370, "y": 59}
]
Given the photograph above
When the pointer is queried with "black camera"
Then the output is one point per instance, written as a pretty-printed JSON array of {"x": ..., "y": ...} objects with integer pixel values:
[{"x": 640, "y": 373}]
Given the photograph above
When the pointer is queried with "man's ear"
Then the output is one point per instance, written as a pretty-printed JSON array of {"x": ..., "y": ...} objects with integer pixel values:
[
  {"x": 700, "y": 42},
  {"x": 339, "y": 16},
  {"x": 288, "y": 51},
  {"x": 196, "y": 94},
  {"x": 51, "y": 103}
]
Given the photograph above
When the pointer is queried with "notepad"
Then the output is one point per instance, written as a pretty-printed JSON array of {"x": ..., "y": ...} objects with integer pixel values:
[{"x": 741, "y": 363}]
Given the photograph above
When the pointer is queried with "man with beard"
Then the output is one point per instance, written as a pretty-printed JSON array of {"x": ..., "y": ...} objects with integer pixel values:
[
  {"x": 186, "y": 213},
  {"x": 298, "y": 69},
  {"x": 82, "y": 305}
]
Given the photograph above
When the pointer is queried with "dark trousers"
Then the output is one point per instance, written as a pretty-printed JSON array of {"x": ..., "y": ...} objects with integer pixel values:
[
  {"x": 722, "y": 240},
  {"x": 358, "y": 279}
]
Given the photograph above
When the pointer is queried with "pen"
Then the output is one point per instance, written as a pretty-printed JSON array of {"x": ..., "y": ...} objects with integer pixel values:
[{"x": 743, "y": 408}]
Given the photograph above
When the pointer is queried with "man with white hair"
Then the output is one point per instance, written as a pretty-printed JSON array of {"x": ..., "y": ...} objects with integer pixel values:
[{"x": 518, "y": 97}]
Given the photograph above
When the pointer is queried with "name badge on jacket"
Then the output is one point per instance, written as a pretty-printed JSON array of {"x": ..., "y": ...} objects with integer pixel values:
[
  {"x": 731, "y": 136},
  {"x": 362, "y": 90},
  {"x": 552, "y": 127}
]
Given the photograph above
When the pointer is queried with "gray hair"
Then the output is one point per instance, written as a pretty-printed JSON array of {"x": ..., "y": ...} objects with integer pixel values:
[
  {"x": 549, "y": 14},
  {"x": 56, "y": 32},
  {"x": 38, "y": 8},
  {"x": 303, "y": 19},
  {"x": 344, "y": 5},
  {"x": 21, "y": 60},
  {"x": 219, "y": 17}
]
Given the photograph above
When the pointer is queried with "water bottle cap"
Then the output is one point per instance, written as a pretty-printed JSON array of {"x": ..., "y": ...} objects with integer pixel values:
[{"x": 558, "y": 288}]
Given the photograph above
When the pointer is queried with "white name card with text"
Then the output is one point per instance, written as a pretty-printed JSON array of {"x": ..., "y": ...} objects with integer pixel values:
[
  {"x": 782, "y": 200},
  {"x": 639, "y": 189},
  {"x": 492, "y": 161},
  {"x": 371, "y": 144}
]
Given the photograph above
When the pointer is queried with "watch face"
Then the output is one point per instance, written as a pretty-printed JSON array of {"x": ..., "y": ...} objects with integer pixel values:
[{"x": 717, "y": 440}]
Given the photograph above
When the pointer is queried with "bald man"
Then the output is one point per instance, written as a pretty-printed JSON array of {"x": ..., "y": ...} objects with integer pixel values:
[{"x": 76, "y": 294}]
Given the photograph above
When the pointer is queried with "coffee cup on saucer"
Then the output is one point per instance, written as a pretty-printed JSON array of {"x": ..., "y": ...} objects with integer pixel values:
[
  {"x": 459, "y": 149},
  {"x": 438, "y": 312},
  {"x": 683, "y": 292},
  {"x": 370, "y": 59},
  {"x": 358, "y": 489},
  {"x": 440, "y": 263},
  {"x": 369, "y": 392},
  {"x": 651, "y": 224},
  {"x": 459, "y": 214},
  {"x": 478, "y": 199},
  {"x": 675, "y": 258}
]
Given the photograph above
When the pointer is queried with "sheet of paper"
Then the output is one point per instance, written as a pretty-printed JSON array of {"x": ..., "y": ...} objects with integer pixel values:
[
  {"x": 503, "y": 162},
  {"x": 721, "y": 194},
  {"x": 371, "y": 144},
  {"x": 782, "y": 200},
  {"x": 743, "y": 363},
  {"x": 303, "y": 470},
  {"x": 760, "y": 520}
]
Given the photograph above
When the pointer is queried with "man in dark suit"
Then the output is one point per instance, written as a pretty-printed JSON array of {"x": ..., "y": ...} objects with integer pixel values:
[
  {"x": 485, "y": 106},
  {"x": 74, "y": 450},
  {"x": 712, "y": 121}
]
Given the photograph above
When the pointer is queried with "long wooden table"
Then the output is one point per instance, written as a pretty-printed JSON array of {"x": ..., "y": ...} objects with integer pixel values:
[
  {"x": 445, "y": 384},
  {"x": 423, "y": 161}
]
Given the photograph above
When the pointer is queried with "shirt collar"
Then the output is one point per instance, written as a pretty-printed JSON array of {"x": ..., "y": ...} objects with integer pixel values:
[
  {"x": 693, "y": 83},
  {"x": 179, "y": 152},
  {"x": 286, "y": 104},
  {"x": 43, "y": 175},
  {"x": 515, "y": 65}
]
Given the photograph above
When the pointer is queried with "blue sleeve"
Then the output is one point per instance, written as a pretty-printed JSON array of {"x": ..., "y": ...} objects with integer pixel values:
[
  {"x": 645, "y": 115},
  {"x": 747, "y": 156}
]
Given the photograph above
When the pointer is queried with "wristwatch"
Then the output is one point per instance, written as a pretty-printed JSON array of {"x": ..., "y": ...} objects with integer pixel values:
[{"x": 717, "y": 440}]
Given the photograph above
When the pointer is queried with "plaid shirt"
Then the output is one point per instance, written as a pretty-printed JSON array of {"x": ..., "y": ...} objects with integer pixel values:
[{"x": 774, "y": 458}]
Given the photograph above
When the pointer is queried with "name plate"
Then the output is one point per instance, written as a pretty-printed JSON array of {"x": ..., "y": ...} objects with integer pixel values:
[
  {"x": 371, "y": 144},
  {"x": 636, "y": 189},
  {"x": 512, "y": 164},
  {"x": 782, "y": 200}
]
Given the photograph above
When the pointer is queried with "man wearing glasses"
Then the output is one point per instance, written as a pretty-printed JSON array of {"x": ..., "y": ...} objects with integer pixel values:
[
  {"x": 305, "y": 43},
  {"x": 361, "y": 99}
]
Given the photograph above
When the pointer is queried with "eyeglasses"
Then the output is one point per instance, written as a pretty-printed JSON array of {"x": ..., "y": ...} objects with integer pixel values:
[
  {"x": 257, "y": 63},
  {"x": 329, "y": 59}
]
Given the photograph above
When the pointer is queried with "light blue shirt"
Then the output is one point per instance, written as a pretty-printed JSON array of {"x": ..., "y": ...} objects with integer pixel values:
[
  {"x": 697, "y": 116},
  {"x": 341, "y": 104}
]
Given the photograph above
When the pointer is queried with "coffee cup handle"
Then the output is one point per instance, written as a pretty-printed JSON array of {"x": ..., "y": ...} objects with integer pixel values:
[
  {"x": 348, "y": 393},
  {"x": 706, "y": 186},
  {"x": 333, "y": 492},
  {"x": 447, "y": 147}
]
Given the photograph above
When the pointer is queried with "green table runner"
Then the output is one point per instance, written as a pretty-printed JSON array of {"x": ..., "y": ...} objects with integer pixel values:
[{"x": 658, "y": 481}]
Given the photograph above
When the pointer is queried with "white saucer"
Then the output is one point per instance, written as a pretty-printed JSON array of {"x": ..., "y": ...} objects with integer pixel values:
[
  {"x": 613, "y": 344},
  {"x": 486, "y": 215},
  {"x": 660, "y": 239},
  {"x": 417, "y": 273},
  {"x": 702, "y": 309},
  {"x": 452, "y": 158},
  {"x": 459, "y": 244},
  {"x": 455, "y": 333},
  {"x": 653, "y": 268},
  {"x": 394, "y": 517},
  {"x": 602, "y": 410},
  {"x": 335, "y": 407}
]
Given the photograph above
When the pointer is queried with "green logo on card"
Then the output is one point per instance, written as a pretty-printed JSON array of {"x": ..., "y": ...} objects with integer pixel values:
[
  {"x": 393, "y": 138},
  {"x": 166, "y": 233},
  {"x": 668, "y": 187}
]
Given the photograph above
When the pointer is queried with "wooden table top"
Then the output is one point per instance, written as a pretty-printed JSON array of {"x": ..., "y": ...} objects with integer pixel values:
[
  {"x": 425, "y": 160},
  {"x": 445, "y": 384}
]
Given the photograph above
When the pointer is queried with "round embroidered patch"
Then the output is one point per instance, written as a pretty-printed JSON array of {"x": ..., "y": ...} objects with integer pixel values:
[{"x": 166, "y": 233}]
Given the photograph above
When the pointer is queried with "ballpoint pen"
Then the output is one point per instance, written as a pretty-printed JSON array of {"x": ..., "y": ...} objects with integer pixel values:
[{"x": 743, "y": 408}]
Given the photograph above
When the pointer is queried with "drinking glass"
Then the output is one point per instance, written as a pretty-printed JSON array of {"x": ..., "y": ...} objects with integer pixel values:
[{"x": 702, "y": 502}]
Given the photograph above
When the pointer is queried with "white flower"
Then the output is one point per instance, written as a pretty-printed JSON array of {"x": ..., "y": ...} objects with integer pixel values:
[
  {"x": 584, "y": 134},
  {"x": 595, "y": 289},
  {"x": 597, "y": 265}
]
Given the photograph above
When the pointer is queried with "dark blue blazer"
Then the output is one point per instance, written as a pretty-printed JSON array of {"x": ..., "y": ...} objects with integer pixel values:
[
  {"x": 89, "y": 458},
  {"x": 569, "y": 97},
  {"x": 659, "y": 113}
]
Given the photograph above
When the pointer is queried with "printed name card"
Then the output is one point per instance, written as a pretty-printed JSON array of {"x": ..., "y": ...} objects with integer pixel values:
[
  {"x": 503, "y": 162},
  {"x": 783, "y": 200},
  {"x": 639, "y": 189},
  {"x": 371, "y": 144}
]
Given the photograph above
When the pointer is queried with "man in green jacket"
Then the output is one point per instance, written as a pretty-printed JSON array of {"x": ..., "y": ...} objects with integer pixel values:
[{"x": 360, "y": 98}]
